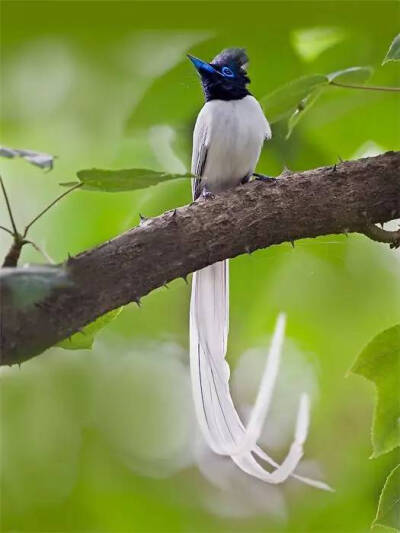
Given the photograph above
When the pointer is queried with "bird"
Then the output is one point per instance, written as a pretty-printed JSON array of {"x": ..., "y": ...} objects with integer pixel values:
[
  {"x": 228, "y": 137},
  {"x": 231, "y": 127}
]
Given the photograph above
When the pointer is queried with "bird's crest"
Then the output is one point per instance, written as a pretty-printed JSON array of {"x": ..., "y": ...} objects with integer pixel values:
[{"x": 232, "y": 56}]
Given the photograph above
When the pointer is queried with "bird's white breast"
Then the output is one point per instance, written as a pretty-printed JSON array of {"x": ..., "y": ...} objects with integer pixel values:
[{"x": 234, "y": 132}]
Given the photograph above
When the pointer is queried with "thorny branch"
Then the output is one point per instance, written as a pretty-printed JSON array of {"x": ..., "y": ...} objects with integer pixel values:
[{"x": 350, "y": 197}]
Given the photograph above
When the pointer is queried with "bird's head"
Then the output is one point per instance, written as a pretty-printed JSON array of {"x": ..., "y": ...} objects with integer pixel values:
[{"x": 225, "y": 78}]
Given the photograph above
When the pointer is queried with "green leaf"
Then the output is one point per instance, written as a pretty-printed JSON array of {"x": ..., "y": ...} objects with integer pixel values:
[
  {"x": 302, "y": 107},
  {"x": 25, "y": 286},
  {"x": 388, "y": 514},
  {"x": 285, "y": 100},
  {"x": 351, "y": 75},
  {"x": 123, "y": 180},
  {"x": 380, "y": 363},
  {"x": 297, "y": 96},
  {"x": 393, "y": 54},
  {"x": 83, "y": 340}
]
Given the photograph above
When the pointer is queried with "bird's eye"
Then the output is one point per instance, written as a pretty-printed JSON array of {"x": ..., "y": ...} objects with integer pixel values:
[{"x": 226, "y": 71}]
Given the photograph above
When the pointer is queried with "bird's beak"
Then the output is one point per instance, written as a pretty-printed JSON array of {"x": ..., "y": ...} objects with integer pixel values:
[{"x": 201, "y": 66}]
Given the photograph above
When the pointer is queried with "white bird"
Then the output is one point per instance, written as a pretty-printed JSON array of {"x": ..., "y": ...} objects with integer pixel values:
[{"x": 228, "y": 137}]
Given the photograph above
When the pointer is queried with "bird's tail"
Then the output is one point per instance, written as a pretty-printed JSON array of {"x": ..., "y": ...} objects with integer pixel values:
[
  {"x": 219, "y": 421},
  {"x": 209, "y": 324}
]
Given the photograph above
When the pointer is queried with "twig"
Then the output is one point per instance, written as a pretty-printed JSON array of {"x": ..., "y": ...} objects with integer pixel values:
[
  {"x": 11, "y": 259},
  {"x": 365, "y": 87},
  {"x": 7, "y": 230},
  {"x": 8, "y": 207},
  {"x": 382, "y": 235},
  {"x": 41, "y": 251},
  {"x": 49, "y": 206}
]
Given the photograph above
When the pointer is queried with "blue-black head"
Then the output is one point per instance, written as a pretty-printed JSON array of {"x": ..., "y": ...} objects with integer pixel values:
[{"x": 225, "y": 78}]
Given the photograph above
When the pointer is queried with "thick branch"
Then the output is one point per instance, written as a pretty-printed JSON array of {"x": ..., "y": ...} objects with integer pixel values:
[{"x": 256, "y": 215}]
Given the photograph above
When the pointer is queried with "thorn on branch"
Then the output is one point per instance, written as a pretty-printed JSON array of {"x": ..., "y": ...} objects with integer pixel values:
[
  {"x": 70, "y": 260},
  {"x": 142, "y": 220}
]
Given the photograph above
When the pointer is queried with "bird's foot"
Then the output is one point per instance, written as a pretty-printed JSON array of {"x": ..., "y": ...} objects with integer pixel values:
[
  {"x": 264, "y": 178},
  {"x": 207, "y": 195}
]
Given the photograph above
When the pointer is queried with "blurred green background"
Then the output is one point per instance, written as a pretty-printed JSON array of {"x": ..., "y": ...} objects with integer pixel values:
[{"x": 105, "y": 440}]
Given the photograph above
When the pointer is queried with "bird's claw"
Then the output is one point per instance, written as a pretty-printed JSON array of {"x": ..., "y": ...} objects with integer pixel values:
[
  {"x": 265, "y": 179},
  {"x": 207, "y": 195}
]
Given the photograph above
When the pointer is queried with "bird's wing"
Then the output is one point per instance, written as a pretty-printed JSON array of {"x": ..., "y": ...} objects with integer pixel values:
[{"x": 199, "y": 154}]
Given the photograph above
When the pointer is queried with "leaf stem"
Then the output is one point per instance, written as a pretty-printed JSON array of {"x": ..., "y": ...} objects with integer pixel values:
[
  {"x": 49, "y": 206},
  {"x": 365, "y": 87},
  {"x": 8, "y": 207}
]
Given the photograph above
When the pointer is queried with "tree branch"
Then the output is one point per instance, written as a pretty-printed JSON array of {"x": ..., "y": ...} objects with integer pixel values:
[
  {"x": 340, "y": 199},
  {"x": 382, "y": 235}
]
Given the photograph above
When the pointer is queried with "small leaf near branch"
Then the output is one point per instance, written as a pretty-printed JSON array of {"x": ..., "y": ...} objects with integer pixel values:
[
  {"x": 83, "y": 340},
  {"x": 379, "y": 362},
  {"x": 388, "y": 514},
  {"x": 39, "y": 159},
  {"x": 285, "y": 100},
  {"x": 26, "y": 286},
  {"x": 393, "y": 54},
  {"x": 122, "y": 180},
  {"x": 351, "y": 75}
]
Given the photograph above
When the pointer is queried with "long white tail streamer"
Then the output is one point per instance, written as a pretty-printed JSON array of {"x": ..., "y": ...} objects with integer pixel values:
[{"x": 216, "y": 413}]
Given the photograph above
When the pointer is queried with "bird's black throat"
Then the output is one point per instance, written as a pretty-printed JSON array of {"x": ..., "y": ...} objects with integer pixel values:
[{"x": 220, "y": 89}]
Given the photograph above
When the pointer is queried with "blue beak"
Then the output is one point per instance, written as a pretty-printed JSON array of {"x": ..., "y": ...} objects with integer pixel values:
[{"x": 201, "y": 66}]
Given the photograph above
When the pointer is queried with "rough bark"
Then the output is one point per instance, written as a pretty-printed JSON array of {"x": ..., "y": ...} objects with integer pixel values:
[{"x": 322, "y": 201}]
